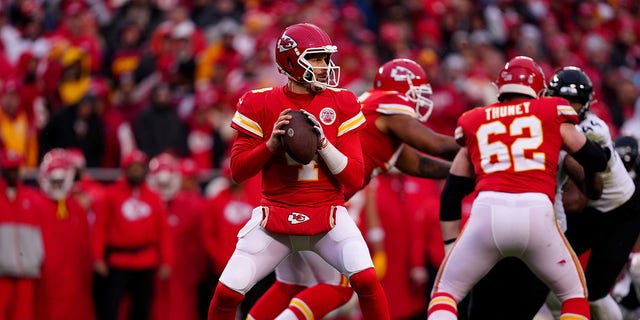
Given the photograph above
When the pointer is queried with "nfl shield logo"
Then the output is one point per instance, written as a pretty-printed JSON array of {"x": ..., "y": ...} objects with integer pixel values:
[{"x": 327, "y": 116}]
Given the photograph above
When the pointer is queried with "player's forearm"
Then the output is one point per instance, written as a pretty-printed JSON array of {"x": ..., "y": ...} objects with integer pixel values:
[
  {"x": 247, "y": 160},
  {"x": 347, "y": 149},
  {"x": 352, "y": 176},
  {"x": 455, "y": 189},
  {"x": 589, "y": 184},
  {"x": 433, "y": 168}
]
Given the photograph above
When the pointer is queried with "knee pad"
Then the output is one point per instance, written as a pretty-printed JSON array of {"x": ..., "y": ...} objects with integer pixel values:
[
  {"x": 239, "y": 274},
  {"x": 356, "y": 257}
]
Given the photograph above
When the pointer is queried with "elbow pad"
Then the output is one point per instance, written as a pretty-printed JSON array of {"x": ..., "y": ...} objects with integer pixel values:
[
  {"x": 592, "y": 157},
  {"x": 455, "y": 189}
]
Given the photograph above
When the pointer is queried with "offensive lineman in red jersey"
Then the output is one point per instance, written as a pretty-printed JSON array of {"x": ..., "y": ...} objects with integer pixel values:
[
  {"x": 394, "y": 110},
  {"x": 302, "y": 206},
  {"x": 511, "y": 148}
]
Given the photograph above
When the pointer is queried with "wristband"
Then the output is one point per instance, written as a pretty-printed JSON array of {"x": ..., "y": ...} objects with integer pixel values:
[{"x": 335, "y": 160}]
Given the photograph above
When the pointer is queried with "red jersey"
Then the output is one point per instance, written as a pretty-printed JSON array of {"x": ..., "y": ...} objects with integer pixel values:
[
  {"x": 131, "y": 229},
  {"x": 175, "y": 298},
  {"x": 514, "y": 146},
  {"x": 229, "y": 210},
  {"x": 64, "y": 288},
  {"x": 286, "y": 183},
  {"x": 382, "y": 150}
]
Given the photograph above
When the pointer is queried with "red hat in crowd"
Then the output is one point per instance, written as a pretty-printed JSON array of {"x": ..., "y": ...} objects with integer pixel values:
[
  {"x": 188, "y": 168},
  {"x": 76, "y": 156},
  {"x": 135, "y": 156},
  {"x": 163, "y": 162},
  {"x": 10, "y": 159},
  {"x": 73, "y": 7}
]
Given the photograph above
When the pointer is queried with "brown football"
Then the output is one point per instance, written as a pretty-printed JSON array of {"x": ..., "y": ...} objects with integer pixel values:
[{"x": 299, "y": 140}]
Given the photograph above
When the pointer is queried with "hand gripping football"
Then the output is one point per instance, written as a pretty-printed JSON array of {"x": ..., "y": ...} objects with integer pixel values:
[{"x": 300, "y": 141}]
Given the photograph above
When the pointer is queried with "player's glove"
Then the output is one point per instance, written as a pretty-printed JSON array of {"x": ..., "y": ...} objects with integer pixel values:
[
  {"x": 336, "y": 161},
  {"x": 322, "y": 140}
]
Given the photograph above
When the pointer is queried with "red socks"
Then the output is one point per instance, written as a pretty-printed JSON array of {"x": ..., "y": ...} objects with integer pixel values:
[
  {"x": 443, "y": 303},
  {"x": 373, "y": 300},
  {"x": 224, "y": 303},
  {"x": 317, "y": 301},
  {"x": 575, "y": 309},
  {"x": 274, "y": 301}
]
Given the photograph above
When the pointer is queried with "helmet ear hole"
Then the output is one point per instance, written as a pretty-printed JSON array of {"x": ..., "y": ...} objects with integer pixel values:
[{"x": 290, "y": 64}]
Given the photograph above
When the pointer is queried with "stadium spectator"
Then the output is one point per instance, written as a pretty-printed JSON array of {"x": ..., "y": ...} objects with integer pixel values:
[
  {"x": 176, "y": 297},
  {"x": 76, "y": 126},
  {"x": 17, "y": 132},
  {"x": 158, "y": 128},
  {"x": 21, "y": 241},
  {"x": 229, "y": 208},
  {"x": 131, "y": 241},
  {"x": 65, "y": 285}
]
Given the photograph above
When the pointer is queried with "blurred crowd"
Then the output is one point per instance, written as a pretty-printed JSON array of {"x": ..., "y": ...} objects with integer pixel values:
[
  {"x": 113, "y": 83},
  {"x": 108, "y": 77}
]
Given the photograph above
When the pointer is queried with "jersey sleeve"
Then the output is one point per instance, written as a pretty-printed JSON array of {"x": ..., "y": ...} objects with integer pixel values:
[
  {"x": 396, "y": 104},
  {"x": 596, "y": 130},
  {"x": 352, "y": 114},
  {"x": 565, "y": 111},
  {"x": 246, "y": 118},
  {"x": 459, "y": 134}
]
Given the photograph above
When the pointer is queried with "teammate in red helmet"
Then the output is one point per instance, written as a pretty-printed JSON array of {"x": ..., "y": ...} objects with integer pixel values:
[{"x": 510, "y": 151}]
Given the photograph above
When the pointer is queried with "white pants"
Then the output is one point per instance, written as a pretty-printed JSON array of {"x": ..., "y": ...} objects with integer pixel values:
[
  {"x": 306, "y": 268},
  {"x": 506, "y": 224},
  {"x": 258, "y": 252}
]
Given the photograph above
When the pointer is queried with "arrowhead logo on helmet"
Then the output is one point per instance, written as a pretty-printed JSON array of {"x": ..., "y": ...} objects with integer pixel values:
[
  {"x": 286, "y": 43},
  {"x": 400, "y": 73}
]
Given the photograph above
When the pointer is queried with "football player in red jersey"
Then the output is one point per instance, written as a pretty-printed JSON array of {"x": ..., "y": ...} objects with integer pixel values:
[
  {"x": 511, "y": 159},
  {"x": 302, "y": 206},
  {"x": 395, "y": 109}
]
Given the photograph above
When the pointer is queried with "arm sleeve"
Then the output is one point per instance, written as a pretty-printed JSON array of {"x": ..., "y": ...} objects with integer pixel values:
[
  {"x": 592, "y": 157},
  {"x": 248, "y": 155},
  {"x": 455, "y": 189}
]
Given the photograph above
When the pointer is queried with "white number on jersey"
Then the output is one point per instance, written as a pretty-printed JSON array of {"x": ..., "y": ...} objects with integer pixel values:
[
  {"x": 306, "y": 172},
  {"x": 514, "y": 155}
]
